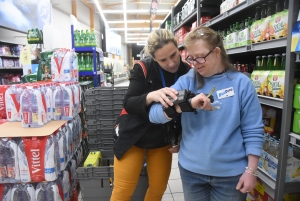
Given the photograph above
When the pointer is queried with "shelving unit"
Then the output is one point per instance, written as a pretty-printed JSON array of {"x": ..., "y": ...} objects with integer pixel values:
[
  {"x": 97, "y": 58},
  {"x": 14, "y": 57},
  {"x": 277, "y": 187}
]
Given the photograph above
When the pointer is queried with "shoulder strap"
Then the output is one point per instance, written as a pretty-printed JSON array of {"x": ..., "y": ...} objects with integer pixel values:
[{"x": 143, "y": 67}]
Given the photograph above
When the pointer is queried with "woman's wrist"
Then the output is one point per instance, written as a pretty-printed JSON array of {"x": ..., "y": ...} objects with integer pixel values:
[{"x": 251, "y": 171}]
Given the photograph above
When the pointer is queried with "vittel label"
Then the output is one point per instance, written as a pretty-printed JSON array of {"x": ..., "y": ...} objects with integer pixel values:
[
  {"x": 35, "y": 160},
  {"x": 2, "y": 106}
]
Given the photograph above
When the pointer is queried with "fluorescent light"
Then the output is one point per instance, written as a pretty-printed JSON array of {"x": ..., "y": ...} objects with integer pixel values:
[
  {"x": 138, "y": 34},
  {"x": 136, "y": 11},
  {"x": 125, "y": 19},
  {"x": 132, "y": 29},
  {"x": 132, "y": 21},
  {"x": 136, "y": 38},
  {"x": 101, "y": 12}
]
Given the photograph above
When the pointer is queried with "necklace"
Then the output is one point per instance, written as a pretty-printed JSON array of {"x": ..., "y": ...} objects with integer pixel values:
[{"x": 214, "y": 85}]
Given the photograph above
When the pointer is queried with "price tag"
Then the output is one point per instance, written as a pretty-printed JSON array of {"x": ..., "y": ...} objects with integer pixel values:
[{"x": 248, "y": 48}]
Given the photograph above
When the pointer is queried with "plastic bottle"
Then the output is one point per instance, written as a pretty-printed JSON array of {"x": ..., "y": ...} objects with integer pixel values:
[
  {"x": 23, "y": 192},
  {"x": 44, "y": 104},
  {"x": 82, "y": 39},
  {"x": 12, "y": 100},
  {"x": 87, "y": 38},
  {"x": 40, "y": 193},
  {"x": 5, "y": 192},
  {"x": 57, "y": 107},
  {"x": 68, "y": 106},
  {"x": 69, "y": 138},
  {"x": 11, "y": 160},
  {"x": 3, "y": 172},
  {"x": 62, "y": 144},
  {"x": 50, "y": 160},
  {"x": 93, "y": 39},
  {"x": 72, "y": 137},
  {"x": 266, "y": 143},
  {"x": 49, "y": 101},
  {"x": 23, "y": 163}
]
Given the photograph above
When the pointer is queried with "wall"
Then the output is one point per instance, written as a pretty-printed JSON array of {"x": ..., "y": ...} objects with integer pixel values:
[{"x": 13, "y": 36}]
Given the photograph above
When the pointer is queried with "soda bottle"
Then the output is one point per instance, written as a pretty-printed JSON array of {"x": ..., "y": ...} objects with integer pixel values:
[
  {"x": 5, "y": 192},
  {"x": 258, "y": 63},
  {"x": 270, "y": 62},
  {"x": 87, "y": 38},
  {"x": 93, "y": 39},
  {"x": 277, "y": 64},
  {"x": 283, "y": 61}
]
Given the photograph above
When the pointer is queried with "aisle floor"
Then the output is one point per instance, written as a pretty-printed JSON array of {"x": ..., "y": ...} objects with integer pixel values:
[{"x": 174, "y": 189}]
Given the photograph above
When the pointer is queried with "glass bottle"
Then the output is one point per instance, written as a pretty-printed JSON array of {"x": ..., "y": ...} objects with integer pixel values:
[
  {"x": 263, "y": 11},
  {"x": 258, "y": 63},
  {"x": 276, "y": 149},
  {"x": 270, "y": 10},
  {"x": 271, "y": 147},
  {"x": 283, "y": 61},
  {"x": 237, "y": 27},
  {"x": 258, "y": 13},
  {"x": 246, "y": 23},
  {"x": 242, "y": 26},
  {"x": 249, "y": 22},
  {"x": 266, "y": 143},
  {"x": 264, "y": 62},
  {"x": 278, "y": 6},
  {"x": 286, "y": 5},
  {"x": 270, "y": 62},
  {"x": 277, "y": 64}
]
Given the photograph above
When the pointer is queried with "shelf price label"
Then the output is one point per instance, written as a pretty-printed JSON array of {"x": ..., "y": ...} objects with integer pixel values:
[{"x": 248, "y": 48}]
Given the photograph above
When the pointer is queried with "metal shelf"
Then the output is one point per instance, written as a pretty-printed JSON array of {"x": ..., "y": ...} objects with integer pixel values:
[
  {"x": 263, "y": 175},
  {"x": 16, "y": 68},
  {"x": 86, "y": 49},
  {"x": 274, "y": 102},
  {"x": 12, "y": 56},
  {"x": 271, "y": 44},
  {"x": 188, "y": 18},
  {"x": 228, "y": 13},
  {"x": 89, "y": 73}
]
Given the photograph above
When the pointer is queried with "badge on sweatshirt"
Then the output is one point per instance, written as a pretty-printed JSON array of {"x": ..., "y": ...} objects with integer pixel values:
[{"x": 225, "y": 93}]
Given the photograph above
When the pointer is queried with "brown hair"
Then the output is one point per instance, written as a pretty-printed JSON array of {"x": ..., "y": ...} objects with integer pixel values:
[
  {"x": 157, "y": 39},
  {"x": 213, "y": 39}
]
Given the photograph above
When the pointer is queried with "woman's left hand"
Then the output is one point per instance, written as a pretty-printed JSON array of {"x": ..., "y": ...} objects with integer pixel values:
[
  {"x": 246, "y": 183},
  {"x": 174, "y": 150}
]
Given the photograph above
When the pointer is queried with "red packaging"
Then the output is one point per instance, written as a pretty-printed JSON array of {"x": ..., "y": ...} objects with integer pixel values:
[
  {"x": 204, "y": 19},
  {"x": 3, "y": 89},
  {"x": 183, "y": 30}
]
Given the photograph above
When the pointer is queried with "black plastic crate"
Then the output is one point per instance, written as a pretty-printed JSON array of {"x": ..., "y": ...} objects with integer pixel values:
[
  {"x": 96, "y": 183},
  {"x": 101, "y": 132},
  {"x": 101, "y": 143}
]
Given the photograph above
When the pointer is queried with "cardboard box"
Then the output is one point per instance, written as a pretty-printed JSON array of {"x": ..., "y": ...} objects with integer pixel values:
[
  {"x": 259, "y": 80},
  {"x": 276, "y": 83},
  {"x": 204, "y": 19},
  {"x": 244, "y": 37},
  {"x": 232, "y": 40}
]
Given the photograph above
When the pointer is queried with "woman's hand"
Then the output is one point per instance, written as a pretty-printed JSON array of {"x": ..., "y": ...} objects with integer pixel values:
[
  {"x": 161, "y": 96},
  {"x": 246, "y": 183},
  {"x": 201, "y": 101},
  {"x": 175, "y": 149}
]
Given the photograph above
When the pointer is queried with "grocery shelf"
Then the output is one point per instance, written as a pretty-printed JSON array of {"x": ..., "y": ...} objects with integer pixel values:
[
  {"x": 88, "y": 73},
  {"x": 17, "y": 68},
  {"x": 274, "y": 102},
  {"x": 188, "y": 18},
  {"x": 263, "y": 175},
  {"x": 15, "y": 129},
  {"x": 266, "y": 45},
  {"x": 86, "y": 49},
  {"x": 13, "y": 56}
]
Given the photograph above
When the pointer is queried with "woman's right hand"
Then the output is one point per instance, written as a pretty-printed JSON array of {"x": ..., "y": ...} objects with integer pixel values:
[
  {"x": 161, "y": 96},
  {"x": 201, "y": 101}
]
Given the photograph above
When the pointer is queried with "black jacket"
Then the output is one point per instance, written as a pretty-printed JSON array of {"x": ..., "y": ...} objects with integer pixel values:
[{"x": 144, "y": 133}]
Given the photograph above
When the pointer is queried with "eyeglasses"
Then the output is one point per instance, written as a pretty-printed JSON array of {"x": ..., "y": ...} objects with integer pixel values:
[{"x": 199, "y": 60}]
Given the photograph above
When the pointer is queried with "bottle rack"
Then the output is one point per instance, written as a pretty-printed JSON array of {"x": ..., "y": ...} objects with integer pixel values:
[
  {"x": 97, "y": 58},
  {"x": 277, "y": 187}
]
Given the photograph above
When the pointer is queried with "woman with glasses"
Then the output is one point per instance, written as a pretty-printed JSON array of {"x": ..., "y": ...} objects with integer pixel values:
[
  {"x": 221, "y": 141},
  {"x": 149, "y": 83}
]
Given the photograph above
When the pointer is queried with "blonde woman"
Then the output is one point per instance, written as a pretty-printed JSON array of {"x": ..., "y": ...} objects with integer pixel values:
[
  {"x": 148, "y": 85},
  {"x": 222, "y": 142}
]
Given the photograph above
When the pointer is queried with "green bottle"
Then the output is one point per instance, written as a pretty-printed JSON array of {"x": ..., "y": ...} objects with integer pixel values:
[
  {"x": 237, "y": 27},
  {"x": 296, "y": 127},
  {"x": 258, "y": 63},
  {"x": 249, "y": 22},
  {"x": 82, "y": 39},
  {"x": 87, "y": 38},
  {"x": 91, "y": 62},
  {"x": 296, "y": 103},
  {"x": 93, "y": 39},
  {"x": 283, "y": 61},
  {"x": 277, "y": 63},
  {"x": 77, "y": 38},
  {"x": 270, "y": 62},
  {"x": 264, "y": 62}
]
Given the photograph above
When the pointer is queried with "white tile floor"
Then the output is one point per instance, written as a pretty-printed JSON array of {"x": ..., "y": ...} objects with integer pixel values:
[{"x": 174, "y": 189}]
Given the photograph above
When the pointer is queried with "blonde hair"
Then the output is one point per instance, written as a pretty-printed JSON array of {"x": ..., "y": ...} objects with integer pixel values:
[
  {"x": 157, "y": 39},
  {"x": 212, "y": 39}
]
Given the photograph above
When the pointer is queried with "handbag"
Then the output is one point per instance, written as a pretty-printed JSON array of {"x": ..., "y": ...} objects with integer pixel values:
[{"x": 129, "y": 128}]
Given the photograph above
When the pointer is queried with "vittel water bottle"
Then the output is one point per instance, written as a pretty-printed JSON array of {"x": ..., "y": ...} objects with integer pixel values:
[
  {"x": 5, "y": 192},
  {"x": 12, "y": 100},
  {"x": 23, "y": 163},
  {"x": 68, "y": 107},
  {"x": 23, "y": 192},
  {"x": 41, "y": 88},
  {"x": 66, "y": 185},
  {"x": 73, "y": 136},
  {"x": 12, "y": 162},
  {"x": 47, "y": 191},
  {"x": 62, "y": 143},
  {"x": 73, "y": 174},
  {"x": 69, "y": 138},
  {"x": 57, "y": 103},
  {"x": 48, "y": 95},
  {"x": 50, "y": 159}
]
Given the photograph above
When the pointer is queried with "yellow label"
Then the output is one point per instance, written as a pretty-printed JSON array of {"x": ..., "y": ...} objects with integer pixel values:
[
  {"x": 276, "y": 83},
  {"x": 260, "y": 188},
  {"x": 35, "y": 117},
  {"x": 25, "y": 55}
]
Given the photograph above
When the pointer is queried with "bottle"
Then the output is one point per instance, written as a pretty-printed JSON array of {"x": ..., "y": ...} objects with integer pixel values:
[
  {"x": 258, "y": 63},
  {"x": 87, "y": 61},
  {"x": 250, "y": 21},
  {"x": 93, "y": 39},
  {"x": 270, "y": 10},
  {"x": 91, "y": 62},
  {"x": 277, "y": 64},
  {"x": 62, "y": 144},
  {"x": 69, "y": 138},
  {"x": 258, "y": 13},
  {"x": 276, "y": 149},
  {"x": 264, "y": 62},
  {"x": 270, "y": 62},
  {"x": 50, "y": 160},
  {"x": 264, "y": 11},
  {"x": 12, "y": 100},
  {"x": 278, "y": 6},
  {"x": 12, "y": 162},
  {"x": 286, "y": 5},
  {"x": 296, "y": 126},
  {"x": 40, "y": 192},
  {"x": 58, "y": 103},
  {"x": 283, "y": 61},
  {"x": 17, "y": 192},
  {"x": 82, "y": 39},
  {"x": 22, "y": 192},
  {"x": 5, "y": 192},
  {"x": 68, "y": 107},
  {"x": 87, "y": 38},
  {"x": 3, "y": 172},
  {"x": 271, "y": 147}
]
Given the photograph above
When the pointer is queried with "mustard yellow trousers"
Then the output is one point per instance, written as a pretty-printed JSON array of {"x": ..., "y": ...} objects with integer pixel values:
[{"x": 127, "y": 172}]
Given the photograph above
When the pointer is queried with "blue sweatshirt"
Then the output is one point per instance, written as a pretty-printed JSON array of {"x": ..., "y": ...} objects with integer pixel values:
[{"x": 216, "y": 143}]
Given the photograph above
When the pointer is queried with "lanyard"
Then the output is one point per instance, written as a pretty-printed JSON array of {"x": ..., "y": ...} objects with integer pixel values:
[{"x": 163, "y": 78}]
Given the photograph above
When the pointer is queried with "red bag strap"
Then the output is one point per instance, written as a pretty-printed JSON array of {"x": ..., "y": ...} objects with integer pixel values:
[{"x": 143, "y": 67}]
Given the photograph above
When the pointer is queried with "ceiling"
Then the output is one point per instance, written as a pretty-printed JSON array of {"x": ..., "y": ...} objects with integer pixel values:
[{"x": 131, "y": 18}]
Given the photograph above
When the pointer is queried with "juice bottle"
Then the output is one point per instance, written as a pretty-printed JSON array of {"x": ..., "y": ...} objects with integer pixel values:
[
  {"x": 296, "y": 102},
  {"x": 270, "y": 62},
  {"x": 277, "y": 63},
  {"x": 283, "y": 62}
]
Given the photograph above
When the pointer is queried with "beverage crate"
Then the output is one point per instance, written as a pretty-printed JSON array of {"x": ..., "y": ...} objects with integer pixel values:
[
  {"x": 96, "y": 183},
  {"x": 100, "y": 123},
  {"x": 104, "y": 93},
  {"x": 100, "y": 133},
  {"x": 101, "y": 143}
]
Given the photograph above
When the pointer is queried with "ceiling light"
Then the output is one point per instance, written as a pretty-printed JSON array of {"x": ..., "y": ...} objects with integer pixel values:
[
  {"x": 125, "y": 19},
  {"x": 133, "y": 29},
  {"x": 138, "y": 34},
  {"x": 101, "y": 13},
  {"x": 136, "y": 38},
  {"x": 137, "y": 11},
  {"x": 132, "y": 21}
]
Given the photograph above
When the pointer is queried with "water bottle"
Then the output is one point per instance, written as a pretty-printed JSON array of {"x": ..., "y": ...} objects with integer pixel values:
[
  {"x": 73, "y": 136},
  {"x": 28, "y": 193},
  {"x": 40, "y": 192},
  {"x": 12, "y": 100},
  {"x": 5, "y": 192},
  {"x": 21, "y": 192},
  {"x": 44, "y": 104},
  {"x": 66, "y": 185},
  {"x": 17, "y": 193},
  {"x": 62, "y": 143},
  {"x": 48, "y": 95},
  {"x": 12, "y": 162},
  {"x": 57, "y": 103},
  {"x": 73, "y": 174},
  {"x": 68, "y": 133},
  {"x": 50, "y": 162},
  {"x": 23, "y": 163},
  {"x": 67, "y": 103}
]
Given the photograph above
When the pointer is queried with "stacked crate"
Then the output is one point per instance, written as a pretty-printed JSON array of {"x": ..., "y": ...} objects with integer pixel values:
[{"x": 103, "y": 106}]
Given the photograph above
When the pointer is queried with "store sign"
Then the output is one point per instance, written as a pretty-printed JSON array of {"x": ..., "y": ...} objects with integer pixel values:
[
  {"x": 113, "y": 42},
  {"x": 25, "y": 15}
]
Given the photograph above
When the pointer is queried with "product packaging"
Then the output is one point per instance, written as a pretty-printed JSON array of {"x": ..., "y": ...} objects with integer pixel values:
[{"x": 276, "y": 83}]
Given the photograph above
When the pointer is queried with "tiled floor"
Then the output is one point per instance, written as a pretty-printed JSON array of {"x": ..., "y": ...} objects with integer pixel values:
[{"x": 174, "y": 188}]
